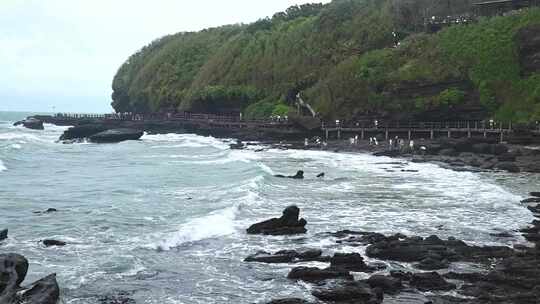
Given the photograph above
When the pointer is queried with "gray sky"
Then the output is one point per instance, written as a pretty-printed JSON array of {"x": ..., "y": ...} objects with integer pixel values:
[{"x": 64, "y": 53}]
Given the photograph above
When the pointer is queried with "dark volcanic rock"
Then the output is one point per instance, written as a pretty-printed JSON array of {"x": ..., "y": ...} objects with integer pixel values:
[
  {"x": 508, "y": 166},
  {"x": 388, "y": 284},
  {"x": 350, "y": 262},
  {"x": 50, "y": 243},
  {"x": 44, "y": 291},
  {"x": 84, "y": 131},
  {"x": 430, "y": 281},
  {"x": 352, "y": 292},
  {"x": 416, "y": 249},
  {"x": 287, "y": 256},
  {"x": 314, "y": 274},
  {"x": 31, "y": 123},
  {"x": 287, "y": 224},
  {"x": 116, "y": 135},
  {"x": 531, "y": 200},
  {"x": 535, "y": 194},
  {"x": 298, "y": 175},
  {"x": 3, "y": 234},
  {"x": 18, "y": 263},
  {"x": 289, "y": 301}
]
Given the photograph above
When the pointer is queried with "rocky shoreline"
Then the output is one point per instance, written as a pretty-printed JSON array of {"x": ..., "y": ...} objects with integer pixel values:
[{"x": 513, "y": 275}]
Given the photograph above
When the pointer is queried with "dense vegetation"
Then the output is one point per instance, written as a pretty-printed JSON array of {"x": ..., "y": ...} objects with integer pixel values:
[{"x": 342, "y": 57}]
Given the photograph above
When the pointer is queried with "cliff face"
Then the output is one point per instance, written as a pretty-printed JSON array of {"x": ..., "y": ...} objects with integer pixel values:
[{"x": 342, "y": 58}]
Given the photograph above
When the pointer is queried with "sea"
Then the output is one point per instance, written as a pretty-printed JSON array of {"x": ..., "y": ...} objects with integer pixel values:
[{"x": 162, "y": 220}]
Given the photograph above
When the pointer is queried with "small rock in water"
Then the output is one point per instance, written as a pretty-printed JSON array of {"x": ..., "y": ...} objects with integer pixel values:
[
  {"x": 3, "y": 234},
  {"x": 298, "y": 175},
  {"x": 320, "y": 175},
  {"x": 50, "y": 243}
]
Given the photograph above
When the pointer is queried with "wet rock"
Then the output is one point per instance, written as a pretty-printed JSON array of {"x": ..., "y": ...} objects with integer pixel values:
[
  {"x": 50, "y": 210},
  {"x": 499, "y": 149},
  {"x": 430, "y": 281},
  {"x": 507, "y": 157},
  {"x": 320, "y": 175},
  {"x": 531, "y": 200},
  {"x": 83, "y": 131},
  {"x": 31, "y": 123},
  {"x": 237, "y": 146},
  {"x": 13, "y": 267},
  {"x": 535, "y": 194},
  {"x": 351, "y": 292},
  {"x": 388, "y": 284},
  {"x": 287, "y": 256},
  {"x": 44, "y": 291},
  {"x": 508, "y": 166},
  {"x": 121, "y": 298},
  {"x": 3, "y": 234},
  {"x": 448, "y": 152},
  {"x": 298, "y": 175},
  {"x": 350, "y": 262},
  {"x": 50, "y": 243},
  {"x": 481, "y": 148},
  {"x": 433, "y": 262},
  {"x": 314, "y": 274},
  {"x": 287, "y": 224},
  {"x": 416, "y": 249},
  {"x": 534, "y": 209},
  {"x": 289, "y": 301},
  {"x": 116, "y": 135}
]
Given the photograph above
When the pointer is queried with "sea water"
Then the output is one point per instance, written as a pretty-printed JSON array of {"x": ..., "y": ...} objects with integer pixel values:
[{"x": 162, "y": 220}]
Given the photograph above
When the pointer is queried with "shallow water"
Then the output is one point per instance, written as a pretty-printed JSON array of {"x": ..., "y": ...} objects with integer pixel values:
[{"x": 164, "y": 218}]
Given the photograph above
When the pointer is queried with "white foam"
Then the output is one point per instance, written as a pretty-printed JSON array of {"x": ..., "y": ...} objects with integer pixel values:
[
  {"x": 218, "y": 223},
  {"x": 2, "y": 166},
  {"x": 16, "y": 146},
  {"x": 185, "y": 141}
]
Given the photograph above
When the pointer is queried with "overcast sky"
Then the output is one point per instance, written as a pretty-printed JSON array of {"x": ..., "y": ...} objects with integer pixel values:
[{"x": 61, "y": 55}]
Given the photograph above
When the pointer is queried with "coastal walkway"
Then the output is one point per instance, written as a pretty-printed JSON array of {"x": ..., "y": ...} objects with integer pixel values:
[
  {"x": 337, "y": 130},
  {"x": 429, "y": 130}
]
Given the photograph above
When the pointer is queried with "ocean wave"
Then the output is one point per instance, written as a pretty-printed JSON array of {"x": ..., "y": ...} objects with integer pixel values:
[
  {"x": 2, "y": 166},
  {"x": 218, "y": 223},
  {"x": 186, "y": 141},
  {"x": 243, "y": 156}
]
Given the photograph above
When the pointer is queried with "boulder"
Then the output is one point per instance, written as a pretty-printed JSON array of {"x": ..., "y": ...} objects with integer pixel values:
[
  {"x": 508, "y": 166},
  {"x": 13, "y": 268},
  {"x": 116, "y": 135},
  {"x": 430, "y": 281},
  {"x": 314, "y": 274},
  {"x": 350, "y": 262},
  {"x": 44, "y": 291},
  {"x": 388, "y": 284},
  {"x": 351, "y": 292},
  {"x": 287, "y": 224},
  {"x": 3, "y": 234},
  {"x": 83, "y": 131},
  {"x": 31, "y": 123}
]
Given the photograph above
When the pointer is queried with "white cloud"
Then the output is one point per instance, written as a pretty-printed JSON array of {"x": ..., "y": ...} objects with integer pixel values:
[{"x": 73, "y": 47}]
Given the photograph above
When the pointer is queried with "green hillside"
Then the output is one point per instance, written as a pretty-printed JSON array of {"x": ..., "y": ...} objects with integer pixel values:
[{"x": 341, "y": 57}]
